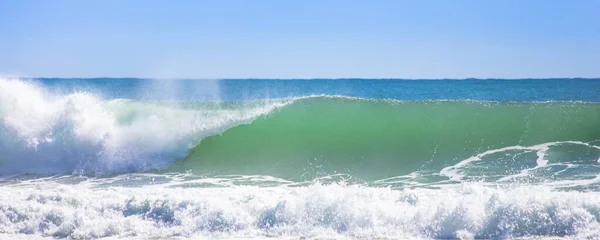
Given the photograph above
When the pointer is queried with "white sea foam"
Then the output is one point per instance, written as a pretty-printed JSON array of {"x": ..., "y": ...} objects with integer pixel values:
[
  {"x": 457, "y": 172},
  {"x": 464, "y": 211},
  {"x": 41, "y": 132}
]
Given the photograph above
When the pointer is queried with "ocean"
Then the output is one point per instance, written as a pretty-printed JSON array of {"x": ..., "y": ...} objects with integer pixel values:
[{"x": 299, "y": 159}]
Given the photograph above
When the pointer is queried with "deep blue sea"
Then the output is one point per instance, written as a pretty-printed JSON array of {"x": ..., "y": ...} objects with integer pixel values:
[
  {"x": 299, "y": 159},
  {"x": 400, "y": 89}
]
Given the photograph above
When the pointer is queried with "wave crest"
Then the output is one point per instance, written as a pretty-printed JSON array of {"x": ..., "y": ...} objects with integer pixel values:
[{"x": 41, "y": 132}]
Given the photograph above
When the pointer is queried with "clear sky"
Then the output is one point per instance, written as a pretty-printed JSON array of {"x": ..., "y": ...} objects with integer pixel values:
[{"x": 300, "y": 39}]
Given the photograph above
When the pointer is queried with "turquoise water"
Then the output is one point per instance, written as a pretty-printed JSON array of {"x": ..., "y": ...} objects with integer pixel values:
[{"x": 346, "y": 158}]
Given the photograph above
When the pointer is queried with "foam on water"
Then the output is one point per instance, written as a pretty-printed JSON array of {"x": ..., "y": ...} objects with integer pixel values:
[
  {"x": 457, "y": 172},
  {"x": 465, "y": 211}
]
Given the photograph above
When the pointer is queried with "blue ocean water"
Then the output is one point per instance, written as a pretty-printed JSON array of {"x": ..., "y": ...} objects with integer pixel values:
[
  {"x": 310, "y": 159},
  {"x": 247, "y": 89}
]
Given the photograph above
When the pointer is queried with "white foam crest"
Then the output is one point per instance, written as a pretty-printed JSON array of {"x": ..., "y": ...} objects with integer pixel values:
[
  {"x": 455, "y": 172},
  {"x": 45, "y": 133},
  {"x": 465, "y": 211}
]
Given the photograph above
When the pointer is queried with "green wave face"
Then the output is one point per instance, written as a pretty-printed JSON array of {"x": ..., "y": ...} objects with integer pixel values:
[{"x": 372, "y": 139}]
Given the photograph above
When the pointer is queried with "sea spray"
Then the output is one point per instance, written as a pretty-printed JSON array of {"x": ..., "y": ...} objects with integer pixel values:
[{"x": 83, "y": 134}]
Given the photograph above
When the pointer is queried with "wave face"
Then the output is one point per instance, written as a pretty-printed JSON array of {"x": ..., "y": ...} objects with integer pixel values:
[
  {"x": 87, "y": 159},
  {"x": 375, "y": 139}
]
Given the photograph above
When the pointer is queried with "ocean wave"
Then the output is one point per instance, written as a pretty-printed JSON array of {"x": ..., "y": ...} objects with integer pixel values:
[
  {"x": 76, "y": 165},
  {"x": 307, "y": 137},
  {"x": 372, "y": 140}
]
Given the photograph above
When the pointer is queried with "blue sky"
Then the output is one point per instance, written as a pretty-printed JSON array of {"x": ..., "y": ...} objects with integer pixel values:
[{"x": 300, "y": 39}]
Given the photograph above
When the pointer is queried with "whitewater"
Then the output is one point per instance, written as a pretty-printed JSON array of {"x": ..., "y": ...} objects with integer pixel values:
[{"x": 311, "y": 159}]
